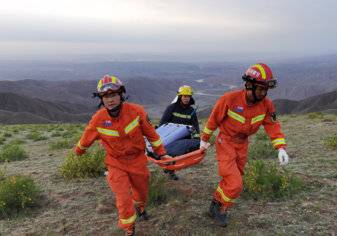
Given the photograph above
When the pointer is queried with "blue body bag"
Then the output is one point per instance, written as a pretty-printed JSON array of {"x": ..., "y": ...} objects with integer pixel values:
[{"x": 176, "y": 139}]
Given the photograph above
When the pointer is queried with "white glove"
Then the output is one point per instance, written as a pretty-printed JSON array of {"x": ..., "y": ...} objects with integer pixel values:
[
  {"x": 204, "y": 145},
  {"x": 283, "y": 157}
]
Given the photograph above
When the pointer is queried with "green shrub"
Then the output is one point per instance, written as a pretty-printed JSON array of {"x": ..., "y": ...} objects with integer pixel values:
[
  {"x": 315, "y": 115},
  {"x": 60, "y": 128},
  {"x": 36, "y": 136},
  {"x": 17, "y": 141},
  {"x": 158, "y": 191},
  {"x": 63, "y": 144},
  {"x": 90, "y": 164},
  {"x": 261, "y": 135},
  {"x": 16, "y": 194},
  {"x": 331, "y": 142},
  {"x": 2, "y": 174},
  {"x": 7, "y": 135},
  {"x": 261, "y": 149},
  {"x": 15, "y": 131},
  {"x": 267, "y": 181},
  {"x": 56, "y": 134},
  {"x": 2, "y": 140},
  {"x": 70, "y": 133},
  {"x": 12, "y": 152}
]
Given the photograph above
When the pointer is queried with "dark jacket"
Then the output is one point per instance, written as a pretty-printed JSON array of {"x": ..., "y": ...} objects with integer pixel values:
[{"x": 178, "y": 114}]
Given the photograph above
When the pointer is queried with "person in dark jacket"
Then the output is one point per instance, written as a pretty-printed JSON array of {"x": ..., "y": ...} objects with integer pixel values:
[{"x": 182, "y": 111}]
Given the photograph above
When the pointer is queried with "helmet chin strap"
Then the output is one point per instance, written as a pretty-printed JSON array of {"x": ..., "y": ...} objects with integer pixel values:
[
  {"x": 253, "y": 88},
  {"x": 114, "y": 112}
]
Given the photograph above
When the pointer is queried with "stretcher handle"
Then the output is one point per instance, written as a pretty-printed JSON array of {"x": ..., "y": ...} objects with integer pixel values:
[{"x": 178, "y": 158}]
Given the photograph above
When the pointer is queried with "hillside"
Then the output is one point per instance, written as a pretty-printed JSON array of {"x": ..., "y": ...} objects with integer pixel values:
[
  {"x": 148, "y": 92},
  {"x": 299, "y": 78},
  {"x": 326, "y": 102},
  {"x": 16, "y": 109},
  {"x": 323, "y": 102},
  {"x": 86, "y": 206}
]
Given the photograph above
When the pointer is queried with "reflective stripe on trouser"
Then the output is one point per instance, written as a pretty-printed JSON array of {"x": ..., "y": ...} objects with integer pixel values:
[
  {"x": 128, "y": 188},
  {"x": 232, "y": 158}
]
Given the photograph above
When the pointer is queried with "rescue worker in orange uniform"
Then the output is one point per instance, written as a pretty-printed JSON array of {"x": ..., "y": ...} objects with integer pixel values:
[
  {"x": 239, "y": 114},
  {"x": 181, "y": 111},
  {"x": 120, "y": 126}
]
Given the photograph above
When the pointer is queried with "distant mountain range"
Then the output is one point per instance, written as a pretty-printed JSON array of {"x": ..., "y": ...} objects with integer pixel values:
[
  {"x": 325, "y": 102},
  {"x": 148, "y": 92},
  {"x": 32, "y": 92},
  {"x": 16, "y": 109},
  {"x": 298, "y": 78}
]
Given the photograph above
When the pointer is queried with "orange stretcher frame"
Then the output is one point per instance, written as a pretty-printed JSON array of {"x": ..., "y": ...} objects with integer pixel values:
[{"x": 180, "y": 162}]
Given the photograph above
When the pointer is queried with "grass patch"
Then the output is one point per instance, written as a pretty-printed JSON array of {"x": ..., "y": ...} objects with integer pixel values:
[
  {"x": 17, "y": 142},
  {"x": 12, "y": 152},
  {"x": 16, "y": 194},
  {"x": 158, "y": 191},
  {"x": 2, "y": 140},
  {"x": 15, "y": 131},
  {"x": 261, "y": 136},
  {"x": 2, "y": 173},
  {"x": 315, "y": 115},
  {"x": 7, "y": 135},
  {"x": 63, "y": 144},
  {"x": 90, "y": 165},
  {"x": 267, "y": 181},
  {"x": 56, "y": 134},
  {"x": 36, "y": 136},
  {"x": 69, "y": 134},
  {"x": 331, "y": 142},
  {"x": 261, "y": 149}
]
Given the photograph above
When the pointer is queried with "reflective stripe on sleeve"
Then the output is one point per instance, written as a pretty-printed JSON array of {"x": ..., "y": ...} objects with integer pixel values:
[
  {"x": 156, "y": 143},
  {"x": 208, "y": 131},
  {"x": 81, "y": 147},
  {"x": 278, "y": 141}
]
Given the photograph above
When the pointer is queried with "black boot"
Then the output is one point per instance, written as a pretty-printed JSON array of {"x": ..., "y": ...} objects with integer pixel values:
[
  {"x": 141, "y": 214},
  {"x": 221, "y": 218},
  {"x": 172, "y": 175}
]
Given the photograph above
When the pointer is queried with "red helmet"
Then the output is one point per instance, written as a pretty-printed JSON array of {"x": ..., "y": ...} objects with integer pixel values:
[
  {"x": 260, "y": 74},
  {"x": 110, "y": 82}
]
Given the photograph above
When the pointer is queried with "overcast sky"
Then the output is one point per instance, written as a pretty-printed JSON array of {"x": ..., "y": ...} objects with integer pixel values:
[{"x": 205, "y": 28}]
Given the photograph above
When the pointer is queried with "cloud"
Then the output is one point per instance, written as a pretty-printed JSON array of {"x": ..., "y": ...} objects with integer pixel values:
[{"x": 156, "y": 26}]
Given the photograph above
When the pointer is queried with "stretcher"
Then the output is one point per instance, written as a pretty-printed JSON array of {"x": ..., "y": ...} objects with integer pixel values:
[
  {"x": 169, "y": 133},
  {"x": 180, "y": 162}
]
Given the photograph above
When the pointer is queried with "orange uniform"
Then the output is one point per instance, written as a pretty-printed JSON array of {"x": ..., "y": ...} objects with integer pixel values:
[
  {"x": 237, "y": 120},
  {"x": 125, "y": 158}
]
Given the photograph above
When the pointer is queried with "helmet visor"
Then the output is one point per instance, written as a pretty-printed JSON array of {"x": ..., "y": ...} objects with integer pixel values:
[
  {"x": 270, "y": 84},
  {"x": 104, "y": 88}
]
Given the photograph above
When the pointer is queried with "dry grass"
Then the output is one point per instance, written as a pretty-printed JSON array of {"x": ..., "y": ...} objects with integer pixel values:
[{"x": 86, "y": 206}]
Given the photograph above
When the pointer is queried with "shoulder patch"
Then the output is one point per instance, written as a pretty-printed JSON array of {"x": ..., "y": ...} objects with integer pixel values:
[{"x": 273, "y": 117}]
